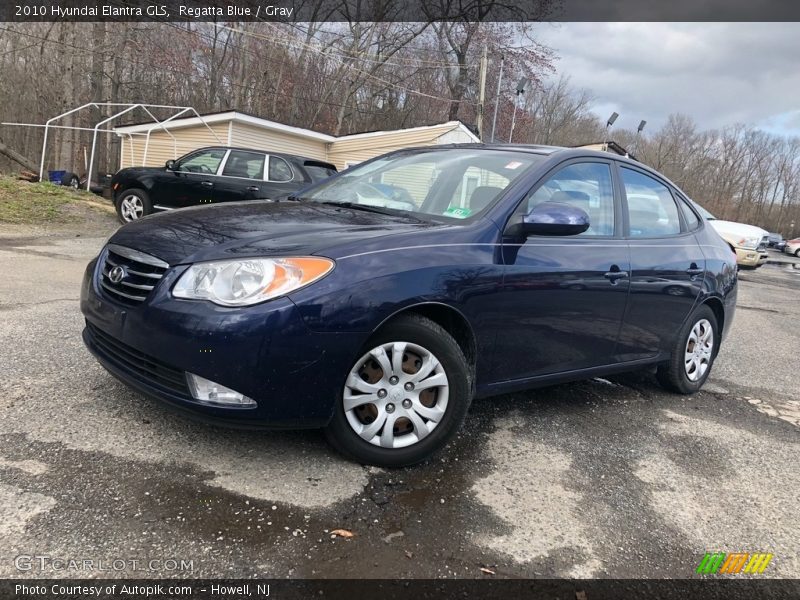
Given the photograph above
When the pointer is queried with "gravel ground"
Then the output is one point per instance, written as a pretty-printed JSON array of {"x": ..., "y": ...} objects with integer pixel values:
[{"x": 604, "y": 478}]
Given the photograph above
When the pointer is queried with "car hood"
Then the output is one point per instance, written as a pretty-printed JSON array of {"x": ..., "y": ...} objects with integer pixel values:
[
  {"x": 257, "y": 228},
  {"x": 138, "y": 171},
  {"x": 737, "y": 229}
]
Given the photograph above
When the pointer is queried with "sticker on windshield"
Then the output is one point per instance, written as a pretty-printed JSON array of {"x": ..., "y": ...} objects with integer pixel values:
[
  {"x": 457, "y": 212},
  {"x": 513, "y": 165}
]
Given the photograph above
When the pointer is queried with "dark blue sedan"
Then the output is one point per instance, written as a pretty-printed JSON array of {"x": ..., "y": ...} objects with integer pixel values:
[{"x": 379, "y": 303}]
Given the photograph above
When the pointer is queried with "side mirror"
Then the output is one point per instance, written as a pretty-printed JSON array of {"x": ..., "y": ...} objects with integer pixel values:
[
  {"x": 554, "y": 218},
  {"x": 170, "y": 165}
]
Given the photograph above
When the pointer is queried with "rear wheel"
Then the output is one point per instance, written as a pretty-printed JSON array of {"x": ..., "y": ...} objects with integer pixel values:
[
  {"x": 133, "y": 204},
  {"x": 404, "y": 398},
  {"x": 693, "y": 353}
]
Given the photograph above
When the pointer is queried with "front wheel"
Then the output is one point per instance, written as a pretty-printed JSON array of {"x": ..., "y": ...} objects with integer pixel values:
[
  {"x": 693, "y": 353},
  {"x": 797, "y": 253},
  {"x": 404, "y": 398},
  {"x": 132, "y": 204}
]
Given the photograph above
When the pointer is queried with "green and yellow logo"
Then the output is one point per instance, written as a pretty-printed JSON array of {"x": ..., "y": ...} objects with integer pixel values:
[{"x": 736, "y": 562}]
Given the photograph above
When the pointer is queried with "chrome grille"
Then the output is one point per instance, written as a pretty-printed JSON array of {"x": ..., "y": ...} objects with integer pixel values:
[{"x": 128, "y": 275}]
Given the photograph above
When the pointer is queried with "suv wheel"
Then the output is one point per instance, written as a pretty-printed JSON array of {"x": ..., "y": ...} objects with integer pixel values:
[{"x": 132, "y": 204}]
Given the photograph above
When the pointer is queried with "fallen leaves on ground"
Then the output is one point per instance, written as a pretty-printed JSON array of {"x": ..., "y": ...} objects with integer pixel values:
[{"x": 343, "y": 533}]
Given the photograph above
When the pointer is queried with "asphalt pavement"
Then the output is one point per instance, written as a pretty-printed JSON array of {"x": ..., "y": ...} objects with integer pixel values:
[{"x": 603, "y": 478}]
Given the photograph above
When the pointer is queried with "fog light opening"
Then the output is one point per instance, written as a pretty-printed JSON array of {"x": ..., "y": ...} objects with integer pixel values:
[{"x": 210, "y": 392}]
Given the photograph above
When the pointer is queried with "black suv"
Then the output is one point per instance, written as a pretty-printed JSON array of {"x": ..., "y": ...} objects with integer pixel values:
[{"x": 212, "y": 175}]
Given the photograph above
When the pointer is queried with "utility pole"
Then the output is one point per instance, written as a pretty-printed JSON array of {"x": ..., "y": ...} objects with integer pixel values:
[
  {"x": 482, "y": 91},
  {"x": 497, "y": 96}
]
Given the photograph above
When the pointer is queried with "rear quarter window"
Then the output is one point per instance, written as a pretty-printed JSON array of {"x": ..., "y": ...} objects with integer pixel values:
[
  {"x": 692, "y": 220},
  {"x": 319, "y": 172}
]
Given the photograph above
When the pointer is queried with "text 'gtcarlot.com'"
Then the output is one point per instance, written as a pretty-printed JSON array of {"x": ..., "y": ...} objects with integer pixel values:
[{"x": 28, "y": 562}]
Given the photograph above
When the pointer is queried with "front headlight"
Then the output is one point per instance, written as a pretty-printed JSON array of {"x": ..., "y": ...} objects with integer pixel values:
[
  {"x": 751, "y": 243},
  {"x": 250, "y": 280}
]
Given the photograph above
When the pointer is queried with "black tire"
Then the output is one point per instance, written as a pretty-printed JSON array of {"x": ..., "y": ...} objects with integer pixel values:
[
  {"x": 423, "y": 332},
  {"x": 673, "y": 375},
  {"x": 797, "y": 253},
  {"x": 133, "y": 193},
  {"x": 74, "y": 182}
]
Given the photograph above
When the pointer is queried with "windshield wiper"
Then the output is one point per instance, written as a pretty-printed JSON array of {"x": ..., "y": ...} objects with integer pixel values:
[{"x": 368, "y": 208}]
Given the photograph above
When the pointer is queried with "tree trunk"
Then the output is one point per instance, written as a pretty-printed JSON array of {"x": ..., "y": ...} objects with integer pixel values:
[
  {"x": 15, "y": 156},
  {"x": 96, "y": 86}
]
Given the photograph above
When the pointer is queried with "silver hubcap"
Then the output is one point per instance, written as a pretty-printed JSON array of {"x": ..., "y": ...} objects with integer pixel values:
[
  {"x": 131, "y": 208},
  {"x": 699, "y": 349},
  {"x": 396, "y": 395}
]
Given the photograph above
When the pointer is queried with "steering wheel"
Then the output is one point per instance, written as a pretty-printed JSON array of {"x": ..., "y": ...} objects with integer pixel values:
[
  {"x": 206, "y": 170},
  {"x": 370, "y": 191}
]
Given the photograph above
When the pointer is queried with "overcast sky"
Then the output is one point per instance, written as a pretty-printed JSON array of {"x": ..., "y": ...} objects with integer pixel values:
[{"x": 718, "y": 73}]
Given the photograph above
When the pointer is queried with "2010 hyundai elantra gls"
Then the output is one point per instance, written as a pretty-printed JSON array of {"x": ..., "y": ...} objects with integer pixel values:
[{"x": 380, "y": 302}]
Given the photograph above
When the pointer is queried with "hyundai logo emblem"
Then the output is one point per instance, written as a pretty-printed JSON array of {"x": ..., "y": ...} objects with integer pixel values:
[{"x": 116, "y": 274}]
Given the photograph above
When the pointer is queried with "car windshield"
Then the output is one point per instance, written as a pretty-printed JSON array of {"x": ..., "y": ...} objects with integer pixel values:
[{"x": 452, "y": 183}]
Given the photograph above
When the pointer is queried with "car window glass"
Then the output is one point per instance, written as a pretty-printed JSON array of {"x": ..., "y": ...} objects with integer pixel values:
[
  {"x": 584, "y": 185},
  {"x": 206, "y": 162},
  {"x": 692, "y": 221},
  {"x": 651, "y": 209},
  {"x": 249, "y": 165},
  {"x": 279, "y": 169}
]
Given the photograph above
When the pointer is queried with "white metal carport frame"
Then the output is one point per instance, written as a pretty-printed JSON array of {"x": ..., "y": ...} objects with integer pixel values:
[{"x": 122, "y": 109}]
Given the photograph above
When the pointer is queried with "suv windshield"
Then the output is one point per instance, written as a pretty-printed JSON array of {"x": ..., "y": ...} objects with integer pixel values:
[
  {"x": 703, "y": 212},
  {"x": 453, "y": 183}
]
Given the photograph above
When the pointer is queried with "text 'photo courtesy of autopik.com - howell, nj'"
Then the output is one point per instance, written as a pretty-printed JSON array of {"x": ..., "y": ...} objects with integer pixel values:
[{"x": 366, "y": 299}]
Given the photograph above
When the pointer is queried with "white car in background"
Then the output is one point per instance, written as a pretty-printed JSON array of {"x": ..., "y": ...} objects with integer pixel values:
[
  {"x": 747, "y": 241},
  {"x": 793, "y": 247}
]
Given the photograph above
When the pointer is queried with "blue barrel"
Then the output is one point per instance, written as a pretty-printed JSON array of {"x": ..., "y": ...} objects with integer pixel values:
[{"x": 56, "y": 176}]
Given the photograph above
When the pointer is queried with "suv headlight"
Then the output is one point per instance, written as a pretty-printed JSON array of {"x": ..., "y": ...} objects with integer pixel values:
[
  {"x": 250, "y": 280},
  {"x": 751, "y": 243}
]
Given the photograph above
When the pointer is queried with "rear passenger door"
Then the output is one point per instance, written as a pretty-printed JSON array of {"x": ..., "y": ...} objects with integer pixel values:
[
  {"x": 667, "y": 265},
  {"x": 281, "y": 178},
  {"x": 242, "y": 177}
]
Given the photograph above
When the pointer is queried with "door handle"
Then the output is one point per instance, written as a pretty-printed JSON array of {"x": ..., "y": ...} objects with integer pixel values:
[
  {"x": 613, "y": 275},
  {"x": 253, "y": 188},
  {"x": 694, "y": 271},
  {"x": 207, "y": 183}
]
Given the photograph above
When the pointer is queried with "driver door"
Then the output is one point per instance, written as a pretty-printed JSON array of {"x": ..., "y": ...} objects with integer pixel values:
[
  {"x": 191, "y": 181},
  {"x": 564, "y": 297}
]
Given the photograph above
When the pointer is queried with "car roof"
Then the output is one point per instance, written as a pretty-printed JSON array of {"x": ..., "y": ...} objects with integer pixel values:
[
  {"x": 562, "y": 152},
  {"x": 557, "y": 153}
]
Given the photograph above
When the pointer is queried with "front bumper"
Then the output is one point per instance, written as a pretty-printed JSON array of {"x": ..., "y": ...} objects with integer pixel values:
[
  {"x": 751, "y": 258},
  {"x": 265, "y": 351}
]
